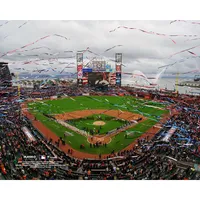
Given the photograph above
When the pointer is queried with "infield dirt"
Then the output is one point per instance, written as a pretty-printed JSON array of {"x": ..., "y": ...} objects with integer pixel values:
[{"x": 125, "y": 115}]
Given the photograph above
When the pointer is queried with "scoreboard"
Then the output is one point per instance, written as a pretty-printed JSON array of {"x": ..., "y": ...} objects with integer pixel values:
[{"x": 99, "y": 70}]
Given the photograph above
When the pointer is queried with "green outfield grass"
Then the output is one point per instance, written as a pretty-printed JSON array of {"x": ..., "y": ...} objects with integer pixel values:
[{"x": 119, "y": 142}]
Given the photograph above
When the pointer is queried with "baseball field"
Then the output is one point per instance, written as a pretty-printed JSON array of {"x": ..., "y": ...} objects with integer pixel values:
[{"x": 87, "y": 119}]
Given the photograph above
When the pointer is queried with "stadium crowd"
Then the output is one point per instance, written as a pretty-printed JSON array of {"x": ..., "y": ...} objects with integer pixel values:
[{"x": 163, "y": 157}]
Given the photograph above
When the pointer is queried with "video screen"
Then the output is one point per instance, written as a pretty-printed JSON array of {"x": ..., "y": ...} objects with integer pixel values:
[{"x": 98, "y": 78}]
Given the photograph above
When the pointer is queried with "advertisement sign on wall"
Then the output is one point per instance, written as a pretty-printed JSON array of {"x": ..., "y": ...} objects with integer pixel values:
[
  {"x": 80, "y": 58},
  {"x": 118, "y": 75},
  {"x": 87, "y": 70},
  {"x": 98, "y": 66},
  {"x": 118, "y": 82},
  {"x": 118, "y": 58},
  {"x": 80, "y": 71},
  {"x": 118, "y": 68},
  {"x": 118, "y": 64}
]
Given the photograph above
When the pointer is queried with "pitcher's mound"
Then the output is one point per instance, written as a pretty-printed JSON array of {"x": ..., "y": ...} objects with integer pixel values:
[{"x": 99, "y": 123}]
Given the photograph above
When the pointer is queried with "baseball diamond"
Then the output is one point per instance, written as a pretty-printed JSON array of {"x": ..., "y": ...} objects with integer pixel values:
[{"x": 80, "y": 115}]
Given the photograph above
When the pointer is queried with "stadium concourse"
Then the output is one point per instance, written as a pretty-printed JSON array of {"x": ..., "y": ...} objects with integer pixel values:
[{"x": 170, "y": 151}]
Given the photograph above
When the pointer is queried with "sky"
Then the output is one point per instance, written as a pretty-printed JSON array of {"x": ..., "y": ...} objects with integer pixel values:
[{"x": 141, "y": 51}]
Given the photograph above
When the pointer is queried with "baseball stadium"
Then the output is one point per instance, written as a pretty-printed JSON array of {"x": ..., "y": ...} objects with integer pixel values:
[
  {"x": 99, "y": 108},
  {"x": 96, "y": 126},
  {"x": 96, "y": 129},
  {"x": 67, "y": 114}
]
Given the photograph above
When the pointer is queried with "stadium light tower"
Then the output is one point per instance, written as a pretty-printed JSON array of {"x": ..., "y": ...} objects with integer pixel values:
[{"x": 5, "y": 76}]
